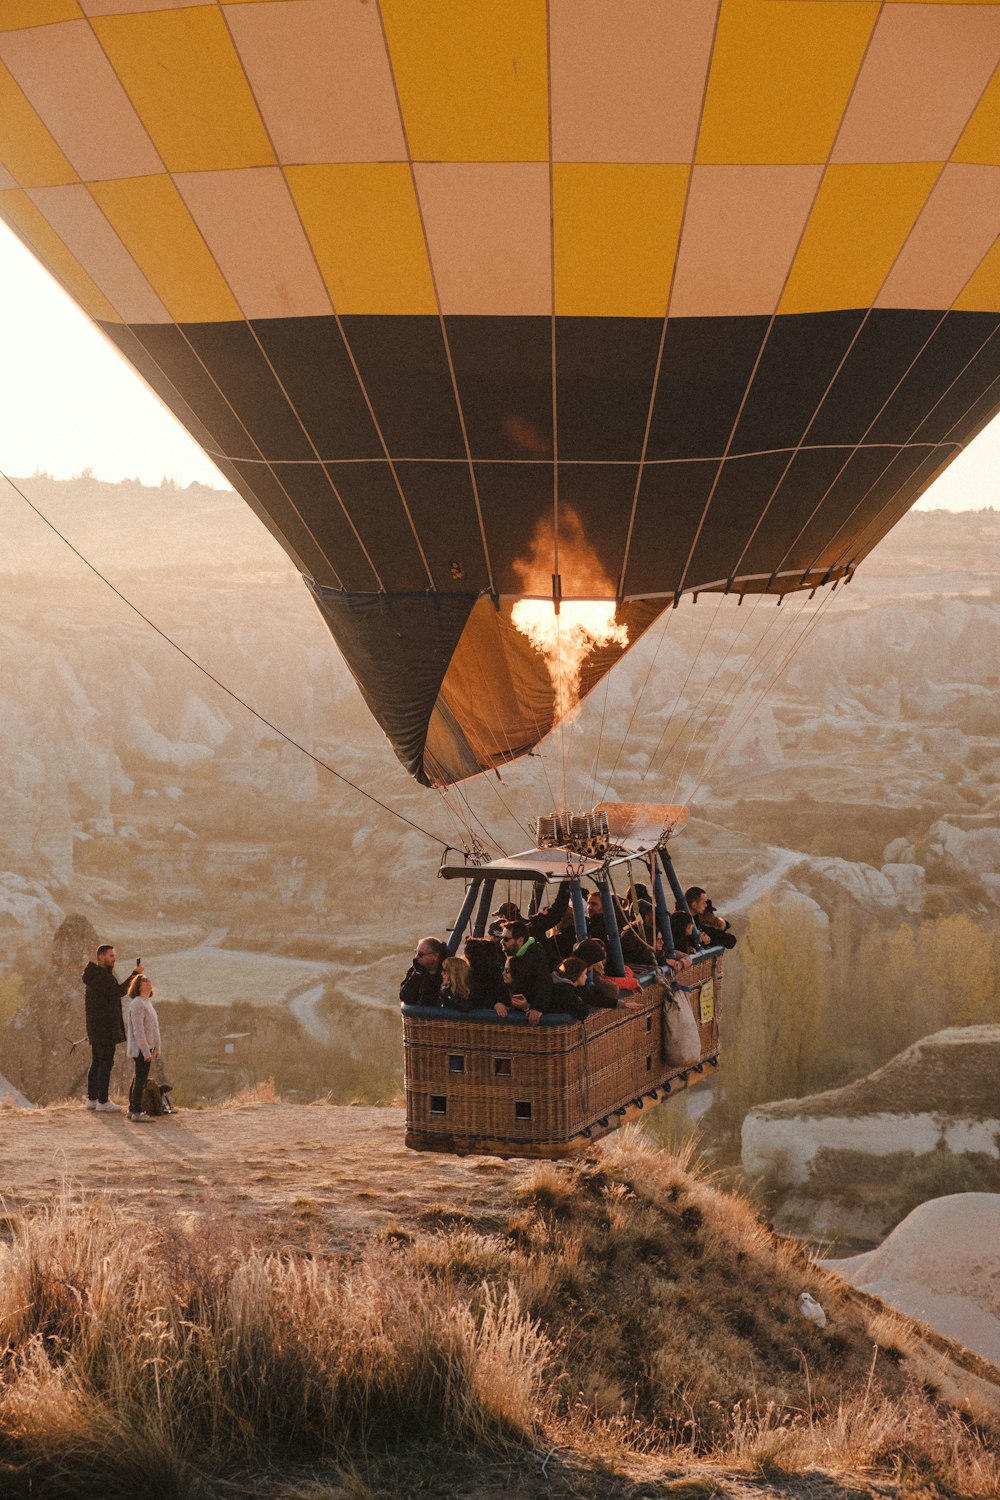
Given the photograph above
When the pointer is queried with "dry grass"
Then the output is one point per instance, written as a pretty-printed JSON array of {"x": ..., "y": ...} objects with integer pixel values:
[
  {"x": 626, "y": 1310},
  {"x": 264, "y": 1092}
]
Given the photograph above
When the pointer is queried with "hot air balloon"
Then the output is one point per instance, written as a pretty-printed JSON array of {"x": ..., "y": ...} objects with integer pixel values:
[
  {"x": 593, "y": 300},
  {"x": 518, "y": 321}
]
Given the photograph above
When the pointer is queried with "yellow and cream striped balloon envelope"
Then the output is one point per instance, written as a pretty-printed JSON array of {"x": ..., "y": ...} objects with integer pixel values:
[{"x": 483, "y": 304}]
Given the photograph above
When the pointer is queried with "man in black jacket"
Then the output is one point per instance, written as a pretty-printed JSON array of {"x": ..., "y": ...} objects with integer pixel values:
[
  {"x": 526, "y": 972},
  {"x": 105, "y": 1025},
  {"x": 422, "y": 981}
]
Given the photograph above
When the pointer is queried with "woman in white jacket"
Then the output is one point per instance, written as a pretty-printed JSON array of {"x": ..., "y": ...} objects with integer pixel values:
[{"x": 142, "y": 1041}]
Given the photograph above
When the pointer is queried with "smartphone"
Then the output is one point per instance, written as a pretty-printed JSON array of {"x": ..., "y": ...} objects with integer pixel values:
[{"x": 138, "y": 962}]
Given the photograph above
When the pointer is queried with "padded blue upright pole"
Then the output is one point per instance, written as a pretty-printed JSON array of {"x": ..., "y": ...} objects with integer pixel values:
[
  {"x": 616, "y": 960},
  {"x": 662, "y": 914},
  {"x": 461, "y": 921},
  {"x": 483, "y": 914},
  {"x": 677, "y": 888},
  {"x": 579, "y": 909}
]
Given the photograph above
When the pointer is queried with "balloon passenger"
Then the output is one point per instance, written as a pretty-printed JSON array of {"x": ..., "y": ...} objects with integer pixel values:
[
  {"x": 422, "y": 982},
  {"x": 683, "y": 933},
  {"x": 455, "y": 983},
  {"x": 635, "y": 949},
  {"x": 598, "y": 991},
  {"x": 568, "y": 984},
  {"x": 562, "y": 938},
  {"x": 526, "y": 973},
  {"x": 486, "y": 987},
  {"x": 143, "y": 1042},
  {"x": 540, "y": 922},
  {"x": 714, "y": 927}
]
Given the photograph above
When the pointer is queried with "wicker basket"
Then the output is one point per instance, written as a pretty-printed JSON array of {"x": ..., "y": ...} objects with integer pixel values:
[{"x": 478, "y": 1084}]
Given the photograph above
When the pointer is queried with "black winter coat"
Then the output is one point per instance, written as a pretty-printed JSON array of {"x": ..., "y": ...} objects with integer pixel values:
[
  {"x": 531, "y": 977},
  {"x": 103, "y": 1002},
  {"x": 420, "y": 988}
]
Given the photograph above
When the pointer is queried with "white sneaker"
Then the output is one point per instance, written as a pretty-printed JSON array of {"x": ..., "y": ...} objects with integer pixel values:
[
  {"x": 140, "y": 1117},
  {"x": 108, "y": 1106},
  {"x": 91, "y": 1104}
]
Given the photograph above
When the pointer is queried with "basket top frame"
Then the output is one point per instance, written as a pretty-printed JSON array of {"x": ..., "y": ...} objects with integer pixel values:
[{"x": 635, "y": 830}]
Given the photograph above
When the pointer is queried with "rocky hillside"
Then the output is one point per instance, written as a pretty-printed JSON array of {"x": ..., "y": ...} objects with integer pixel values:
[
  {"x": 135, "y": 790},
  {"x": 850, "y": 1162},
  {"x": 304, "y": 1308}
]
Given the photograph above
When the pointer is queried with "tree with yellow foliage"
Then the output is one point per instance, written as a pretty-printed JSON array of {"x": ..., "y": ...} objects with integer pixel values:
[
  {"x": 961, "y": 960},
  {"x": 775, "y": 1040}
]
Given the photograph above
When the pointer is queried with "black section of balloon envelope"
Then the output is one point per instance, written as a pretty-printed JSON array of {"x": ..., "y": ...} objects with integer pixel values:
[
  {"x": 398, "y": 648},
  {"x": 410, "y": 456}
]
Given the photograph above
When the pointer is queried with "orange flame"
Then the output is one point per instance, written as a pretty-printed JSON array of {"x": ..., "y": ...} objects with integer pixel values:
[{"x": 566, "y": 639}]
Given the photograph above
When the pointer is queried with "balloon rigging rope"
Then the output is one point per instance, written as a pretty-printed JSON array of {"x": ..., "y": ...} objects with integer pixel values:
[
  {"x": 471, "y": 817},
  {"x": 318, "y": 760},
  {"x": 758, "y": 652},
  {"x": 754, "y": 678},
  {"x": 748, "y": 619},
  {"x": 635, "y": 709},
  {"x": 673, "y": 709},
  {"x": 730, "y": 693},
  {"x": 600, "y": 737},
  {"x": 711, "y": 761},
  {"x": 761, "y": 653}
]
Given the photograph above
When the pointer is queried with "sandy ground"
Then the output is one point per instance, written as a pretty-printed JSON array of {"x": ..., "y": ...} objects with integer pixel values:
[
  {"x": 288, "y": 1172},
  {"x": 941, "y": 1265}
]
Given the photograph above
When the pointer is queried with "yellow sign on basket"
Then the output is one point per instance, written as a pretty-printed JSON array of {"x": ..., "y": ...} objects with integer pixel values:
[{"x": 706, "y": 1002}]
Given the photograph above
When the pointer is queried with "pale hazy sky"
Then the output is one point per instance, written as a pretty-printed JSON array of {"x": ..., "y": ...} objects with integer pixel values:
[{"x": 68, "y": 402}]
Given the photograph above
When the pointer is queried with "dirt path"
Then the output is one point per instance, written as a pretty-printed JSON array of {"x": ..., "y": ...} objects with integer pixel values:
[
  {"x": 303, "y": 1008},
  {"x": 294, "y": 1172}
]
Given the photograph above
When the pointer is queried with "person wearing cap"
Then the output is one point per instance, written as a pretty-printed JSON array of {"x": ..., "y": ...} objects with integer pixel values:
[
  {"x": 540, "y": 922},
  {"x": 507, "y": 911},
  {"x": 717, "y": 926},
  {"x": 597, "y": 990}
]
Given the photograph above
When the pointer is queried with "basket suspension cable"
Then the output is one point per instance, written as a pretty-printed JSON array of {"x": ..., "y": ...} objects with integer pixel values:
[
  {"x": 473, "y": 847},
  {"x": 656, "y": 759},
  {"x": 520, "y": 823},
  {"x": 764, "y": 683},
  {"x": 724, "y": 746},
  {"x": 473, "y": 817},
  {"x": 712, "y": 760},
  {"x": 560, "y": 701},
  {"x": 635, "y": 709},
  {"x": 680, "y": 692},
  {"x": 756, "y": 666},
  {"x": 600, "y": 737},
  {"x": 759, "y": 653},
  {"x": 724, "y": 658}
]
